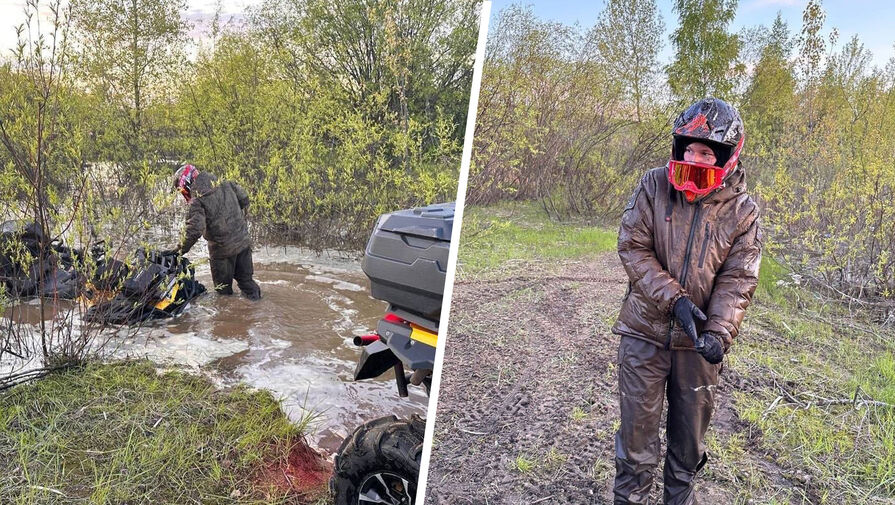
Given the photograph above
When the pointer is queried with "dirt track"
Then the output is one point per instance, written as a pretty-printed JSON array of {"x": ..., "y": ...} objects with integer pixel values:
[{"x": 528, "y": 405}]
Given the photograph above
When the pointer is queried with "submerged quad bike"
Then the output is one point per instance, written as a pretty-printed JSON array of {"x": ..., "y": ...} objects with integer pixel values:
[{"x": 405, "y": 259}]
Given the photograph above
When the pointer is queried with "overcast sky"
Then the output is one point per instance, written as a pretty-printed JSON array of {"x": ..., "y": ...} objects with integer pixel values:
[{"x": 199, "y": 13}]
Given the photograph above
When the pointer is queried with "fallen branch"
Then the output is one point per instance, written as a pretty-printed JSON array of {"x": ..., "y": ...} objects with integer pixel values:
[
  {"x": 19, "y": 378},
  {"x": 822, "y": 401}
]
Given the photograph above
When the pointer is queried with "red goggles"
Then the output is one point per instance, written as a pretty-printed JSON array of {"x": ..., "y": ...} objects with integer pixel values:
[{"x": 698, "y": 178}]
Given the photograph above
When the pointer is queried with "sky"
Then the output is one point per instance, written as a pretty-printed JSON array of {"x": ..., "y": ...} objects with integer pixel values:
[
  {"x": 871, "y": 20},
  {"x": 198, "y": 13}
]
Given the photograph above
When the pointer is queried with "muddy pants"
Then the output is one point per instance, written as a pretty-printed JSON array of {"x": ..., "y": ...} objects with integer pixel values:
[
  {"x": 239, "y": 267},
  {"x": 646, "y": 374}
]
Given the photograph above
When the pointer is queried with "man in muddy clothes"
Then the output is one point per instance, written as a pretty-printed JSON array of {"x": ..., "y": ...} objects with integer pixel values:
[
  {"x": 691, "y": 245},
  {"x": 217, "y": 211}
]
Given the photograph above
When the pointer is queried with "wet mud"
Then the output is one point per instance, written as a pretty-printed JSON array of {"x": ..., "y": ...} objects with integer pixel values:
[{"x": 528, "y": 408}]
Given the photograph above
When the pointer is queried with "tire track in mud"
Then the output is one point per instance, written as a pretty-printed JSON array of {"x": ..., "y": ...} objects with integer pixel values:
[
  {"x": 528, "y": 406},
  {"x": 558, "y": 359}
]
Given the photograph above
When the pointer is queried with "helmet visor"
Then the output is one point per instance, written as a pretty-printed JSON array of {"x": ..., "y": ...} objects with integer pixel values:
[{"x": 699, "y": 178}]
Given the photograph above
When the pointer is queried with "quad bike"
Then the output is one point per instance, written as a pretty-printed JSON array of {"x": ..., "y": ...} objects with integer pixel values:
[
  {"x": 152, "y": 285},
  {"x": 405, "y": 259}
]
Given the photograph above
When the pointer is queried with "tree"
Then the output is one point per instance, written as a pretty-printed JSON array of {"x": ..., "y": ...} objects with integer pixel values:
[
  {"x": 41, "y": 135},
  {"x": 706, "y": 55},
  {"x": 770, "y": 103},
  {"x": 128, "y": 54},
  {"x": 628, "y": 38}
]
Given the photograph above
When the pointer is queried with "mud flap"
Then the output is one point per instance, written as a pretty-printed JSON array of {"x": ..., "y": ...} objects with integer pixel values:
[{"x": 375, "y": 360}]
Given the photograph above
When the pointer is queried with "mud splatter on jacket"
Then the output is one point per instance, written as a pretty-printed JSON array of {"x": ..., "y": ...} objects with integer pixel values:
[
  {"x": 217, "y": 212},
  {"x": 709, "y": 251}
]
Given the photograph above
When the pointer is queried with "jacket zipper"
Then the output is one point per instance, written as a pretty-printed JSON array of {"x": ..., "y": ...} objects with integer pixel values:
[
  {"x": 705, "y": 243},
  {"x": 686, "y": 266}
]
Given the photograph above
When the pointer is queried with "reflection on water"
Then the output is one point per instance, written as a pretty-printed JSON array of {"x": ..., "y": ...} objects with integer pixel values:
[{"x": 295, "y": 342}]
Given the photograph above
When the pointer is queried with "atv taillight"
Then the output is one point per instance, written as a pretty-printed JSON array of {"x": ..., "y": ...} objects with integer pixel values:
[{"x": 391, "y": 318}]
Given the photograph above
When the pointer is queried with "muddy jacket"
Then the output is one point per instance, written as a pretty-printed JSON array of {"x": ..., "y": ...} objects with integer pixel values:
[
  {"x": 709, "y": 251},
  {"x": 217, "y": 213}
]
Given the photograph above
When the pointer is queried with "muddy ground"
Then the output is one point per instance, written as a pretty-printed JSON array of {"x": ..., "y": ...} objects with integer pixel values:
[{"x": 528, "y": 405}]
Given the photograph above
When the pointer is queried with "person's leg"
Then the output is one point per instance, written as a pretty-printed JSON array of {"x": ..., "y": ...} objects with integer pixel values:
[
  {"x": 690, "y": 405},
  {"x": 243, "y": 275},
  {"x": 642, "y": 371},
  {"x": 222, "y": 274}
]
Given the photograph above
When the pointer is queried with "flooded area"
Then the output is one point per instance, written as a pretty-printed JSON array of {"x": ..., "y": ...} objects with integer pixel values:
[{"x": 296, "y": 342}]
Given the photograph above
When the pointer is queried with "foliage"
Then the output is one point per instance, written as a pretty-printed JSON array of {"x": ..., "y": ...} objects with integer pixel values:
[
  {"x": 129, "y": 56},
  {"x": 553, "y": 122},
  {"x": 329, "y": 114},
  {"x": 706, "y": 54},
  {"x": 556, "y": 124},
  {"x": 333, "y": 113},
  {"x": 627, "y": 38}
]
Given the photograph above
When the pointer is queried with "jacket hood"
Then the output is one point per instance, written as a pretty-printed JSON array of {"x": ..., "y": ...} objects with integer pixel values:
[
  {"x": 733, "y": 186},
  {"x": 204, "y": 184}
]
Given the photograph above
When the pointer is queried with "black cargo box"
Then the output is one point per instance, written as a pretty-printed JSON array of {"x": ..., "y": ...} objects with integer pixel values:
[{"x": 406, "y": 258}]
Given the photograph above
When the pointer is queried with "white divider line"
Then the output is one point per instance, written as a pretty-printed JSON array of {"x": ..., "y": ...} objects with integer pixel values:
[{"x": 455, "y": 243}]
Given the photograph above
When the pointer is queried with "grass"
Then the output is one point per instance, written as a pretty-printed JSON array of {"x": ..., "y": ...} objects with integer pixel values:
[
  {"x": 124, "y": 433},
  {"x": 523, "y": 464},
  {"x": 497, "y": 234},
  {"x": 578, "y": 414},
  {"x": 825, "y": 400}
]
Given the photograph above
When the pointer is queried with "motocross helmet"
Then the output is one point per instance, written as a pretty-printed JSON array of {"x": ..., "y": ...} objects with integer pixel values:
[
  {"x": 183, "y": 180},
  {"x": 716, "y": 124}
]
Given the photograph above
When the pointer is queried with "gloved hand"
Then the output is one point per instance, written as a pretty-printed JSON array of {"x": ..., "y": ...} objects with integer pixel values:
[
  {"x": 684, "y": 312},
  {"x": 711, "y": 349}
]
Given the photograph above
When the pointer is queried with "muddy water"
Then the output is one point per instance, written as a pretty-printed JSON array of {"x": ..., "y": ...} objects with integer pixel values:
[{"x": 295, "y": 342}]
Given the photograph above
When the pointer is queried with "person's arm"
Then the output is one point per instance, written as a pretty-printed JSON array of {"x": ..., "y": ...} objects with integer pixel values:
[
  {"x": 635, "y": 248},
  {"x": 735, "y": 284},
  {"x": 195, "y": 226},
  {"x": 241, "y": 196}
]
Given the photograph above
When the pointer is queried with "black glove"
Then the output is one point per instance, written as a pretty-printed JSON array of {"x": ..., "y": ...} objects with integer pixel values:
[
  {"x": 712, "y": 349},
  {"x": 684, "y": 312}
]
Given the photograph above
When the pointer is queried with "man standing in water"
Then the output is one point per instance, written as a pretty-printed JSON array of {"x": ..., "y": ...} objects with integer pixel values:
[
  {"x": 217, "y": 211},
  {"x": 691, "y": 245}
]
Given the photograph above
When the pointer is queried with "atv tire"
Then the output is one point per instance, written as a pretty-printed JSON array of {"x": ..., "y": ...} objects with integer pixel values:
[{"x": 379, "y": 463}]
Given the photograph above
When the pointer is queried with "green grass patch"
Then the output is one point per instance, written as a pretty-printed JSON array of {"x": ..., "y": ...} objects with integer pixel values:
[
  {"x": 523, "y": 464},
  {"x": 578, "y": 414},
  {"x": 818, "y": 394},
  {"x": 124, "y": 433},
  {"x": 496, "y": 234},
  {"x": 772, "y": 276}
]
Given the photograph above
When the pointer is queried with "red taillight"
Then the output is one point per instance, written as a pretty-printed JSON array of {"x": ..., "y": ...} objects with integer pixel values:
[{"x": 391, "y": 318}]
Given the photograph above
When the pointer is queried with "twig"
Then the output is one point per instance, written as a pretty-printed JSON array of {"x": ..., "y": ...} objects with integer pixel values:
[
  {"x": 539, "y": 500},
  {"x": 457, "y": 425},
  {"x": 56, "y": 491},
  {"x": 772, "y": 407}
]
